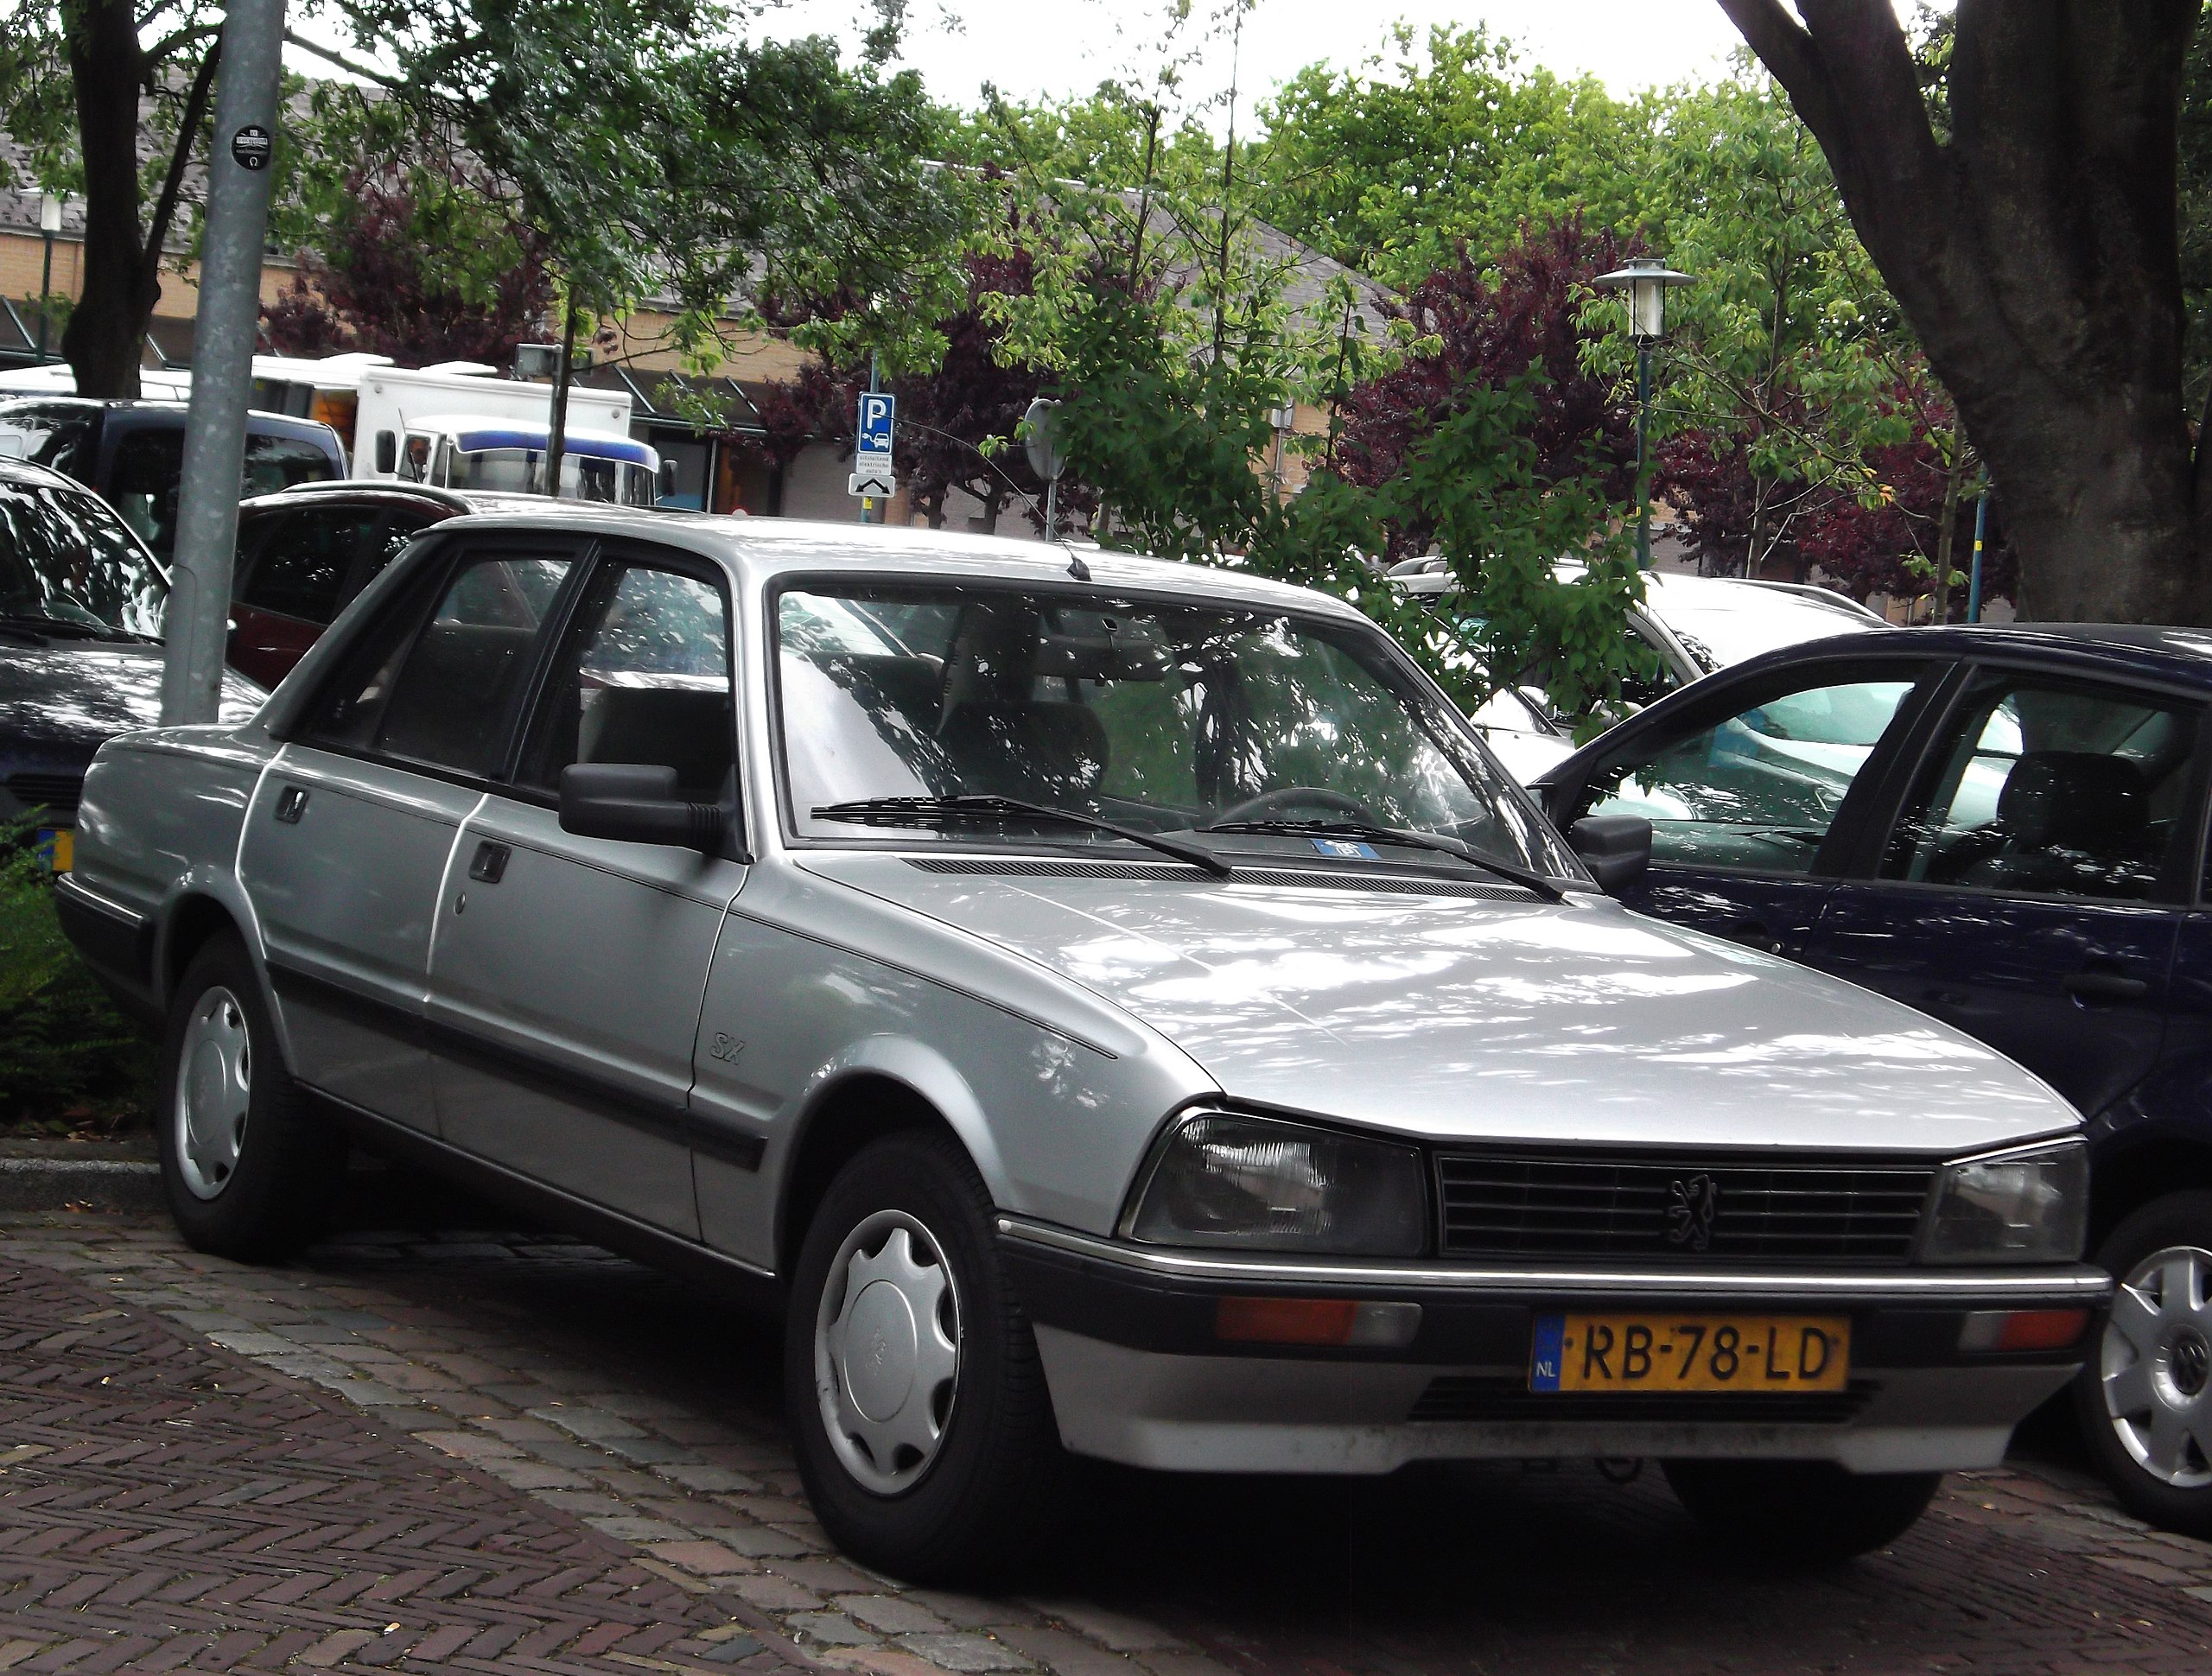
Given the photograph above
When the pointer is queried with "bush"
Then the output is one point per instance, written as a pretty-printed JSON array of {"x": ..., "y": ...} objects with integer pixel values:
[{"x": 66, "y": 1054}]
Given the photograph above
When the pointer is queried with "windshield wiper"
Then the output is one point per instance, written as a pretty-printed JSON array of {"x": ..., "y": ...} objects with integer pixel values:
[
  {"x": 930, "y": 811},
  {"x": 1534, "y": 882}
]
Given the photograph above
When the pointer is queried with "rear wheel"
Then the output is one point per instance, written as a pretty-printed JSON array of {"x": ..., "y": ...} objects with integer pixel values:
[
  {"x": 2144, "y": 1395},
  {"x": 249, "y": 1166},
  {"x": 925, "y": 1436},
  {"x": 1801, "y": 1512}
]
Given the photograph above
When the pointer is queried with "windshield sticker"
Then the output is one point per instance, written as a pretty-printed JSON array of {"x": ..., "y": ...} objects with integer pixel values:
[{"x": 1346, "y": 849}]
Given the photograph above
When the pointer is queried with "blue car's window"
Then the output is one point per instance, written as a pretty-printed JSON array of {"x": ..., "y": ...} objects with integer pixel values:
[
  {"x": 1159, "y": 715},
  {"x": 2050, "y": 791},
  {"x": 1759, "y": 791}
]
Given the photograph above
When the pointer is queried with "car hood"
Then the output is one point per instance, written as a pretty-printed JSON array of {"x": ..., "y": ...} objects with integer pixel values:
[
  {"x": 59, "y": 702},
  {"x": 1460, "y": 1017}
]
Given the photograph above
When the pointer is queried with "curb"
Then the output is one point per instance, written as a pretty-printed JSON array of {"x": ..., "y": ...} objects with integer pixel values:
[{"x": 81, "y": 1184}]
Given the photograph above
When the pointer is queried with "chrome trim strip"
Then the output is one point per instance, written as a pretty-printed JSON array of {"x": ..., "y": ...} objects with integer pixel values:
[
  {"x": 2079, "y": 1284},
  {"x": 67, "y": 885}
]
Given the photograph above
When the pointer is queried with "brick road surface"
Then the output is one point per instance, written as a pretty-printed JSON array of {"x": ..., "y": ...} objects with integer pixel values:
[{"x": 527, "y": 1455}]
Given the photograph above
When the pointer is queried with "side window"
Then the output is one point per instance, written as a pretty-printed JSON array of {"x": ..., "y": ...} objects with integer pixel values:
[
  {"x": 278, "y": 462},
  {"x": 2050, "y": 789},
  {"x": 302, "y": 565},
  {"x": 438, "y": 692},
  {"x": 643, "y": 676},
  {"x": 1760, "y": 789},
  {"x": 142, "y": 482}
]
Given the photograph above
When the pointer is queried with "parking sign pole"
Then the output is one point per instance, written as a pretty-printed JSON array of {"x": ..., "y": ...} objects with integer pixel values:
[
  {"x": 867, "y": 502},
  {"x": 222, "y": 359}
]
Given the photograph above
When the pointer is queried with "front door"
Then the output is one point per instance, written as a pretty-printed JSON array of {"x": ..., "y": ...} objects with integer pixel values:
[
  {"x": 567, "y": 972},
  {"x": 1744, "y": 805},
  {"x": 353, "y": 826},
  {"x": 2031, "y": 886}
]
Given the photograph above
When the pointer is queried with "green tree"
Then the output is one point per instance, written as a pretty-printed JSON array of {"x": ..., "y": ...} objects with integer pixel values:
[{"x": 1390, "y": 167}]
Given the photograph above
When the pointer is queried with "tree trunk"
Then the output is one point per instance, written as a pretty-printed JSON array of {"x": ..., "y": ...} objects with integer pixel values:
[
  {"x": 2035, "y": 253},
  {"x": 1954, "y": 482},
  {"x": 102, "y": 342},
  {"x": 556, "y": 441}
]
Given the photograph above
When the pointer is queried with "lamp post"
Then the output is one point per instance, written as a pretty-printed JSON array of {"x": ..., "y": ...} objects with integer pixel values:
[
  {"x": 49, "y": 223},
  {"x": 1647, "y": 281}
]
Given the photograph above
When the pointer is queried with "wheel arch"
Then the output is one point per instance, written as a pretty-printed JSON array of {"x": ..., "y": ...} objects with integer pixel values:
[
  {"x": 893, "y": 1088},
  {"x": 2126, "y": 1181}
]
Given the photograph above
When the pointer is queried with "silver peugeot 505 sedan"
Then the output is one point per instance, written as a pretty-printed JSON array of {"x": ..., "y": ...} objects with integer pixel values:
[{"x": 1111, "y": 1006}]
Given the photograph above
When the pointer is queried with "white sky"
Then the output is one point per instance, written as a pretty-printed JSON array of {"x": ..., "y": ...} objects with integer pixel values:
[{"x": 1035, "y": 48}]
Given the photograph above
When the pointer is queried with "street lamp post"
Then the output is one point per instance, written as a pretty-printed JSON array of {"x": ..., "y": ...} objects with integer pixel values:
[
  {"x": 49, "y": 223},
  {"x": 1647, "y": 281}
]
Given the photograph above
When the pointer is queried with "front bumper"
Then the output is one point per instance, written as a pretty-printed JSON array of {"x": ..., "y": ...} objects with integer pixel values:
[{"x": 1138, "y": 1374}]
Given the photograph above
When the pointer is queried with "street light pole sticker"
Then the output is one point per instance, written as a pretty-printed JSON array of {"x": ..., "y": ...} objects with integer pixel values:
[
  {"x": 251, "y": 147},
  {"x": 872, "y": 470}
]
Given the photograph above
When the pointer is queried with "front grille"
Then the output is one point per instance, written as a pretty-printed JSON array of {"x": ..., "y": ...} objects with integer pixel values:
[
  {"x": 1687, "y": 1208},
  {"x": 1485, "y": 1397},
  {"x": 58, "y": 792}
]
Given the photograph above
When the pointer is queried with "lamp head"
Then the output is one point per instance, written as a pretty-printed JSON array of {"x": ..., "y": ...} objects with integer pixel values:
[
  {"x": 1647, "y": 280},
  {"x": 49, "y": 212}
]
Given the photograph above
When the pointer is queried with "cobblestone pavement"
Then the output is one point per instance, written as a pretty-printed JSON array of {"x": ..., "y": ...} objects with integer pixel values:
[{"x": 437, "y": 1448}]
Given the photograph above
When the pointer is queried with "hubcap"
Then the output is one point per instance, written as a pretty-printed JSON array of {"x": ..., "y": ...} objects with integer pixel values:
[
  {"x": 2155, "y": 1362},
  {"x": 214, "y": 1088},
  {"x": 886, "y": 1350}
]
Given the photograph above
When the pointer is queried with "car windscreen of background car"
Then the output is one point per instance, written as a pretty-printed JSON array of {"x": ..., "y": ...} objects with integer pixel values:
[
  {"x": 63, "y": 555},
  {"x": 1163, "y": 716}
]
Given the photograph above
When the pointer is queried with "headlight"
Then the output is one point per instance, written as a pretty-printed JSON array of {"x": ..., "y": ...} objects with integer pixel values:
[
  {"x": 2031, "y": 1206},
  {"x": 1251, "y": 1182}
]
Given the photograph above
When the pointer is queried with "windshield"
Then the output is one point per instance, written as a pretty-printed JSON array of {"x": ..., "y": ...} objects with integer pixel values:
[
  {"x": 522, "y": 471},
  {"x": 1722, "y": 625},
  {"x": 65, "y": 556},
  {"x": 1162, "y": 717}
]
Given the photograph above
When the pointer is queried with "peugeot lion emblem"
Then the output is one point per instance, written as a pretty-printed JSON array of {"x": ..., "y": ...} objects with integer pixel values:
[{"x": 1693, "y": 1202}]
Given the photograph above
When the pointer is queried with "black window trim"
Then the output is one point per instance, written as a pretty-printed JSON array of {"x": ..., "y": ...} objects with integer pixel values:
[{"x": 2174, "y": 892}]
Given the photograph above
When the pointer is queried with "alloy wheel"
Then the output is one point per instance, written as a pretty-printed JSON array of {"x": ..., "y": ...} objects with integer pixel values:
[
  {"x": 2155, "y": 1362},
  {"x": 214, "y": 1090},
  {"x": 886, "y": 1350}
]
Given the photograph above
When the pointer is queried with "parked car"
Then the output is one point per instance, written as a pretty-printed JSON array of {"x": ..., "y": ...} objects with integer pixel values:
[
  {"x": 81, "y": 658},
  {"x": 1690, "y": 624},
  {"x": 131, "y": 454},
  {"x": 1113, "y": 1006},
  {"x": 2004, "y": 829}
]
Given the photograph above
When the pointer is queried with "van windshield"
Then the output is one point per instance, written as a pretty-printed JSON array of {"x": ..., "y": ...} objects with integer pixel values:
[
  {"x": 1159, "y": 716},
  {"x": 522, "y": 471}
]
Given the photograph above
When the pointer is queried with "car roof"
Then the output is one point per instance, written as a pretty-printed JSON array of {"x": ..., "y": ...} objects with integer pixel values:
[
  {"x": 13, "y": 470},
  {"x": 155, "y": 405},
  {"x": 762, "y": 549},
  {"x": 2175, "y": 656}
]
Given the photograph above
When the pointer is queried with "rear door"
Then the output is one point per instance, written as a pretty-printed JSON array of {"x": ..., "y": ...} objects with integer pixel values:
[
  {"x": 2031, "y": 884},
  {"x": 566, "y": 974},
  {"x": 1754, "y": 796},
  {"x": 352, "y": 828},
  {"x": 293, "y": 577}
]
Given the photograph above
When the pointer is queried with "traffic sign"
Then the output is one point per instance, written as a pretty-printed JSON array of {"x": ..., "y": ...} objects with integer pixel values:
[
  {"x": 875, "y": 484},
  {"x": 879, "y": 411}
]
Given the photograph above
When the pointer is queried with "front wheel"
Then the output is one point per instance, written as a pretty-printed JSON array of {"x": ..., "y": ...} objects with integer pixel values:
[
  {"x": 925, "y": 1436},
  {"x": 1801, "y": 1512},
  {"x": 250, "y": 1167},
  {"x": 2144, "y": 1395}
]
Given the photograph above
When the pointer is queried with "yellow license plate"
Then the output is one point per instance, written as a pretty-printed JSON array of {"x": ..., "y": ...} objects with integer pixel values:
[
  {"x": 58, "y": 846},
  {"x": 1652, "y": 1352}
]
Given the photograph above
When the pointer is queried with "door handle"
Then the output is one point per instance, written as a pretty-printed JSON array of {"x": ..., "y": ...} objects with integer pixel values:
[
  {"x": 489, "y": 862},
  {"x": 291, "y": 803},
  {"x": 2094, "y": 986}
]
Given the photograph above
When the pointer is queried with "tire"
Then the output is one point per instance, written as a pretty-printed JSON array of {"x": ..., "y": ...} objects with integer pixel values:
[
  {"x": 2144, "y": 1396},
  {"x": 249, "y": 1166},
  {"x": 1800, "y": 1513},
  {"x": 958, "y": 1472}
]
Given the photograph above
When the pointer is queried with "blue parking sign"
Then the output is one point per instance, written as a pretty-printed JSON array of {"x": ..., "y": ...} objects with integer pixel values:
[{"x": 879, "y": 409}]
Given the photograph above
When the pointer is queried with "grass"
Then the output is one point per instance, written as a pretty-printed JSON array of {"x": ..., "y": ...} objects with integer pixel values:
[{"x": 70, "y": 1063}]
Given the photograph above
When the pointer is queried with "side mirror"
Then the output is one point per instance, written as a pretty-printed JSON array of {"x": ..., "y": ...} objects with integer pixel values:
[
  {"x": 1617, "y": 848},
  {"x": 667, "y": 480},
  {"x": 633, "y": 803},
  {"x": 387, "y": 453}
]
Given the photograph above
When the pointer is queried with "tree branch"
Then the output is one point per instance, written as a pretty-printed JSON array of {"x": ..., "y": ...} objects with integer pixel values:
[
  {"x": 188, "y": 133},
  {"x": 352, "y": 67}
]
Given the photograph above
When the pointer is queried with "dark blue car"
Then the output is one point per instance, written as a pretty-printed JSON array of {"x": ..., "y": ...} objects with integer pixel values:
[{"x": 2005, "y": 828}]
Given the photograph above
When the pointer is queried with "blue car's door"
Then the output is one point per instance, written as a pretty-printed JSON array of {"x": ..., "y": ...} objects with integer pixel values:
[
  {"x": 2030, "y": 886},
  {"x": 1753, "y": 795}
]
